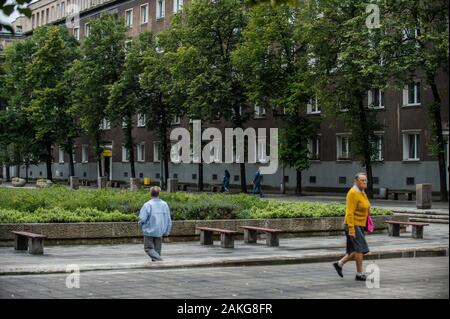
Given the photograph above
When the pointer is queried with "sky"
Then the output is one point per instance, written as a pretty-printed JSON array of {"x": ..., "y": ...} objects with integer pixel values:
[{"x": 13, "y": 16}]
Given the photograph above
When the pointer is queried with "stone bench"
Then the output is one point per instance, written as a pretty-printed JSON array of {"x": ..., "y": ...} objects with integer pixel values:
[
  {"x": 31, "y": 241},
  {"x": 408, "y": 194},
  {"x": 394, "y": 228},
  {"x": 226, "y": 236},
  {"x": 250, "y": 235}
]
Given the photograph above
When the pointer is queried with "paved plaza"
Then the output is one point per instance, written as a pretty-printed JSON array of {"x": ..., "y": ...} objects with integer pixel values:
[{"x": 399, "y": 278}]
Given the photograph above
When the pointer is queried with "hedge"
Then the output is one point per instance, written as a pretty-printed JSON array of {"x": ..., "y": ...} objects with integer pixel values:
[{"x": 60, "y": 204}]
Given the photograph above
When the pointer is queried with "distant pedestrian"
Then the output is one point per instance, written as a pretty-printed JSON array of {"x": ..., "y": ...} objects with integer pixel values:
[
  {"x": 257, "y": 180},
  {"x": 356, "y": 213},
  {"x": 226, "y": 181},
  {"x": 156, "y": 223}
]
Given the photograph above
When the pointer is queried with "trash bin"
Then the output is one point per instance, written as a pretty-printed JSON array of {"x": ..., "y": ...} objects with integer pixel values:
[
  {"x": 147, "y": 181},
  {"x": 383, "y": 193},
  {"x": 423, "y": 196}
]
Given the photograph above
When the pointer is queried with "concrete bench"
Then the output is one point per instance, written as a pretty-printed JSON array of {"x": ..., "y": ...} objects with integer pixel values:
[
  {"x": 216, "y": 187},
  {"x": 408, "y": 194},
  {"x": 33, "y": 242},
  {"x": 182, "y": 187},
  {"x": 226, "y": 236},
  {"x": 250, "y": 235},
  {"x": 394, "y": 228}
]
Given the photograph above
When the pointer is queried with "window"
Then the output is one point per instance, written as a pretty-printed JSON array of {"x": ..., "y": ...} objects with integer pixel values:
[
  {"x": 176, "y": 120},
  {"x": 141, "y": 120},
  {"x": 156, "y": 157},
  {"x": 312, "y": 107},
  {"x": 63, "y": 9},
  {"x": 74, "y": 158},
  {"x": 177, "y": 5},
  {"x": 76, "y": 33},
  {"x": 411, "y": 146},
  {"x": 144, "y": 13},
  {"x": 314, "y": 148},
  {"x": 375, "y": 99},
  {"x": 160, "y": 9},
  {"x": 411, "y": 94},
  {"x": 37, "y": 19},
  {"x": 343, "y": 147},
  {"x": 141, "y": 152},
  {"x": 342, "y": 180},
  {"x": 312, "y": 179},
  {"x": 377, "y": 148},
  {"x": 87, "y": 29},
  {"x": 194, "y": 176},
  {"x": 129, "y": 18},
  {"x": 105, "y": 124},
  {"x": 410, "y": 181},
  {"x": 125, "y": 154},
  {"x": 33, "y": 21},
  {"x": 19, "y": 29},
  {"x": 259, "y": 111},
  {"x": 47, "y": 15},
  {"x": 84, "y": 153},
  {"x": 61, "y": 155}
]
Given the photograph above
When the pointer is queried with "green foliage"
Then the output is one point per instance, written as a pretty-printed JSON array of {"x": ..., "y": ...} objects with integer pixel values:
[{"x": 59, "y": 204}]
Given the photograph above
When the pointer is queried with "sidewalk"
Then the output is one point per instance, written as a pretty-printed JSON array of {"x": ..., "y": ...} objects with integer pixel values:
[{"x": 192, "y": 254}]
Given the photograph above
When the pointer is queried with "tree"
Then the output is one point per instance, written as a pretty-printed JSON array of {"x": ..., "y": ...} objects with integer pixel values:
[
  {"x": 417, "y": 43},
  {"x": 346, "y": 57},
  {"x": 127, "y": 94},
  {"x": 272, "y": 58},
  {"x": 103, "y": 56},
  {"x": 48, "y": 109},
  {"x": 160, "y": 99},
  {"x": 17, "y": 132},
  {"x": 209, "y": 31},
  {"x": 8, "y": 7}
]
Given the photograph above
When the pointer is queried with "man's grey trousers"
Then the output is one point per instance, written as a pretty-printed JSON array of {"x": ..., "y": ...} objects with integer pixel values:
[{"x": 152, "y": 246}]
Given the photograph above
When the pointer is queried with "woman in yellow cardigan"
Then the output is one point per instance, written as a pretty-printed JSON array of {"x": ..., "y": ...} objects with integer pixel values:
[{"x": 356, "y": 212}]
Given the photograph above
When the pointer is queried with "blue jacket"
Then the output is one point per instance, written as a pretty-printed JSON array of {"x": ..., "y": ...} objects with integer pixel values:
[
  {"x": 258, "y": 178},
  {"x": 155, "y": 218}
]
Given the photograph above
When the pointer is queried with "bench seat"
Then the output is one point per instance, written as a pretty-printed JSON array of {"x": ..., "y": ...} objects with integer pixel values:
[
  {"x": 32, "y": 242},
  {"x": 226, "y": 236},
  {"x": 394, "y": 228},
  {"x": 250, "y": 235}
]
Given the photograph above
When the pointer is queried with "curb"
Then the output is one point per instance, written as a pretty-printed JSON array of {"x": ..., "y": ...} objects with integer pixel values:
[{"x": 438, "y": 251}]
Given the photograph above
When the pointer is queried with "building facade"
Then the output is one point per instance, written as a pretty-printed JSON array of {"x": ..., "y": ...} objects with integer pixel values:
[{"x": 403, "y": 159}]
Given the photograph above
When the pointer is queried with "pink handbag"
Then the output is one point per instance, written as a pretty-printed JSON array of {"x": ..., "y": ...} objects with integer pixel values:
[{"x": 370, "y": 227}]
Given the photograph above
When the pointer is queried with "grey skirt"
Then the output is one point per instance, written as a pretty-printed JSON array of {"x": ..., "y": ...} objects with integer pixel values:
[{"x": 357, "y": 244}]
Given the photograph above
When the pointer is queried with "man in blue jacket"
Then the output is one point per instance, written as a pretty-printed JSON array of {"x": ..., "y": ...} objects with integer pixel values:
[
  {"x": 156, "y": 222},
  {"x": 257, "y": 183}
]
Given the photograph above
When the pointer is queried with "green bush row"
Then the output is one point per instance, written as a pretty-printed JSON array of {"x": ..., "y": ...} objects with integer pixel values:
[{"x": 59, "y": 204}]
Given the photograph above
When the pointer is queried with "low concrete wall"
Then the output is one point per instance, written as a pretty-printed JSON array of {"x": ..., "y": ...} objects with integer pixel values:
[{"x": 126, "y": 232}]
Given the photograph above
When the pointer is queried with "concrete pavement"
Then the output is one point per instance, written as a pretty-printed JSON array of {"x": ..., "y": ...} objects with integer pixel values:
[
  {"x": 192, "y": 254},
  {"x": 399, "y": 278}
]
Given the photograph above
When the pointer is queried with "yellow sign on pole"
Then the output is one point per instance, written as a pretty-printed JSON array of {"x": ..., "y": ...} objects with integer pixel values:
[{"x": 107, "y": 153}]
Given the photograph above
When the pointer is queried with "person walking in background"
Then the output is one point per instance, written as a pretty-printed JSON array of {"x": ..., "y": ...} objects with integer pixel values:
[
  {"x": 257, "y": 183},
  {"x": 356, "y": 213},
  {"x": 156, "y": 223},
  {"x": 226, "y": 181}
]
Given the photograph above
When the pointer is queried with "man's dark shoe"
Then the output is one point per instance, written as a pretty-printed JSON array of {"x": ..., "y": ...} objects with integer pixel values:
[
  {"x": 360, "y": 278},
  {"x": 338, "y": 269}
]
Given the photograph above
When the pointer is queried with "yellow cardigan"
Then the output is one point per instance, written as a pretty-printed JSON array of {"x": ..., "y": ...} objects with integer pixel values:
[{"x": 357, "y": 209}]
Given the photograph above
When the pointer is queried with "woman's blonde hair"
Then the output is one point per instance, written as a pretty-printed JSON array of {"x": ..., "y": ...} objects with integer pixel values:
[{"x": 359, "y": 174}]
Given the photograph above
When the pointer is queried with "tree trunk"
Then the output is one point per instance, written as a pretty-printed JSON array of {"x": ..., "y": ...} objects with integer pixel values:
[
  {"x": 243, "y": 178},
  {"x": 48, "y": 162},
  {"x": 8, "y": 173},
  {"x": 200, "y": 176},
  {"x": 18, "y": 171},
  {"x": 26, "y": 172},
  {"x": 366, "y": 146},
  {"x": 98, "y": 154},
  {"x": 129, "y": 143},
  {"x": 71, "y": 164},
  {"x": 298, "y": 188},
  {"x": 435, "y": 113}
]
